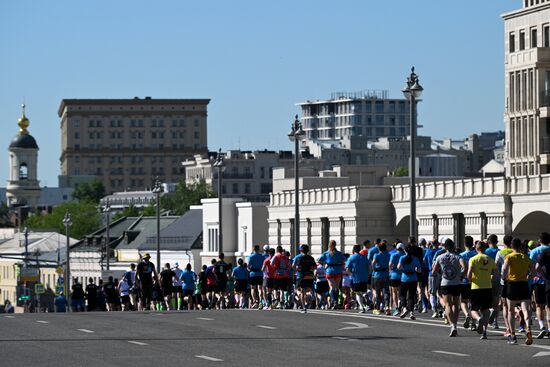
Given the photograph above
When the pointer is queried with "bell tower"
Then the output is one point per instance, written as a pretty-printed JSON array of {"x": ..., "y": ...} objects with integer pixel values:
[{"x": 23, "y": 188}]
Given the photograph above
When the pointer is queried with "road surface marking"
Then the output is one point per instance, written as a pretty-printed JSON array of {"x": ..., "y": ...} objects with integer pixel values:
[
  {"x": 204, "y": 318},
  {"x": 210, "y": 358},
  {"x": 540, "y": 354},
  {"x": 9, "y": 317},
  {"x": 85, "y": 330},
  {"x": 42, "y": 322},
  {"x": 355, "y": 325},
  {"x": 344, "y": 338},
  {"x": 451, "y": 353},
  {"x": 266, "y": 327},
  {"x": 136, "y": 343}
]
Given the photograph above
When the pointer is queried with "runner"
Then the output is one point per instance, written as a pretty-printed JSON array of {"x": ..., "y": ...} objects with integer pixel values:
[
  {"x": 130, "y": 277},
  {"x": 202, "y": 288},
  {"x": 221, "y": 270},
  {"x": 543, "y": 267},
  {"x": 410, "y": 267},
  {"x": 255, "y": 262},
  {"x": 334, "y": 261},
  {"x": 211, "y": 280},
  {"x": 480, "y": 271},
  {"x": 167, "y": 277},
  {"x": 241, "y": 276},
  {"x": 188, "y": 278},
  {"x": 91, "y": 295},
  {"x": 111, "y": 294},
  {"x": 539, "y": 285},
  {"x": 516, "y": 270},
  {"x": 145, "y": 274},
  {"x": 304, "y": 267},
  {"x": 124, "y": 293},
  {"x": 395, "y": 277},
  {"x": 507, "y": 250},
  {"x": 359, "y": 267},
  {"x": 448, "y": 267},
  {"x": 373, "y": 250},
  {"x": 492, "y": 252},
  {"x": 466, "y": 289},
  {"x": 177, "y": 287},
  {"x": 269, "y": 273},
  {"x": 424, "y": 279},
  {"x": 381, "y": 276},
  {"x": 321, "y": 286},
  {"x": 434, "y": 279},
  {"x": 281, "y": 275}
]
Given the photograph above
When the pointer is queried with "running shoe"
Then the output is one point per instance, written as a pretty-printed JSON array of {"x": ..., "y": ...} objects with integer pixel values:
[
  {"x": 529, "y": 337},
  {"x": 480, "y": 326},
  {"x": 304, "y": 310},
  {"x": 483, "y": 336},
  {"x": 473, "y": 326},
  {"x": 454, "y": 333},
  {"x": 495, "y": 325},
  {"x": 446, "y": 320},
  {"x": 363, "y": 310},
  {"x": 467, "y": 322},
  {"x": 403, "y": 314},
  {"x": 388, "y": 312},
  {"x": 512, "y": 339},
  {"x": 435, "y": 315},
  {"x": 424, "y": 310},
  {"x": 542, "y": 334},
  {"x": 395, "y": 312},
  {"x": 411, "y": 316},
  {"x": 376, "y": 311},
  {"x": 521, "y": 329},
  {"x": 506, "y": 333}
]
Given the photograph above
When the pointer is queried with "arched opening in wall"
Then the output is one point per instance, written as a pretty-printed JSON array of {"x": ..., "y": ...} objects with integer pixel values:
[
  {"x": 23, "y": 171},
  {"x": 402, "y": 230},
  {"x": 530, "y": 226}
]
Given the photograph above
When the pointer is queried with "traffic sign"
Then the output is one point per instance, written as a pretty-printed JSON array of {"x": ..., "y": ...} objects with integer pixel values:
[
  {"x": 59, "y": 270},
  {"x": 30, "y": 275},
  {"x": 39, "y": 288}
]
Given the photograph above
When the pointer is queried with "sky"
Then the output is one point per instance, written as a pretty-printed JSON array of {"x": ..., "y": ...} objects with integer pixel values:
[{"x": 254, "y": 59}]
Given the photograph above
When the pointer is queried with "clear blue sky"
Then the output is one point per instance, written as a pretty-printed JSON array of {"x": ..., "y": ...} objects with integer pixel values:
[{"x": 254, "y": 59}]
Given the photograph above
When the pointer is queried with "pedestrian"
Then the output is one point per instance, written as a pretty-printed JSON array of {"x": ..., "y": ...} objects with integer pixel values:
[
  {"x": 188, "y": 278},
  {"x": 145, "y": 274},
  {"x": 77, "y": 297},
  {"x": 111, "y": 294},
  {"x": 269, "y": 274},
  {"x": 167, "y": 276},
  {"x": 321, "y": 286},
  {"x": 241, "y": 276},
  {"x": 381, "y": 276},
  {"x": 480, "y": 271},
  {"x": 130, "y": 277},
  {"x": 501, "y": 255},
  {"x": 492, "y": 252},
  {"x": 395, "y": 277},
  {"x": 466, "y": 288},
  {"x": 543, "y": 268},
  {"x": 281, "y": 276},
  {"x": 211, "y": 281},
  {"x": 177, "y": 288},
  {"x": 124, "y": 293},
  {"x": 202, "y": 288},
  {"x": 540, "y": 286},
  {"x": 449, "y": 267},
  {"x": 221, "y": 270},
  {"x": 91, "y": 295}
]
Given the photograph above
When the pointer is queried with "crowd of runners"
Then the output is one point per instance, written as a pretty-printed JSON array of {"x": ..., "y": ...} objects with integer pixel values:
[{"x": 477, "y": 279}]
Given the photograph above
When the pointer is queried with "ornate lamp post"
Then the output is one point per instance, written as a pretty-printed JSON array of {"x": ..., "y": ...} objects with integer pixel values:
[
  {"x": 219, "y": 164},
  {"x": 67, "y": 221},
  {"x": 295, "y": 135},
  {"x": 157, "y": 190}
]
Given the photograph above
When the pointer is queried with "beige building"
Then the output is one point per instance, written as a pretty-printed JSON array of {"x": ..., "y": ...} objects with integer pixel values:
[
  {"x": 128, "y": 142},
  {"x": 527, "y": 81}
]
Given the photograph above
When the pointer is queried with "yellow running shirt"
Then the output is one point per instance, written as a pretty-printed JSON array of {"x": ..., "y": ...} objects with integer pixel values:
[
  {"x": 518, "y": 267},
  {"x": 482, "y": 267}
]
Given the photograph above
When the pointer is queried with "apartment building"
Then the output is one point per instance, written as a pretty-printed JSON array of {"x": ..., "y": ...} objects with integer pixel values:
[
  {"x": 127, "y": 143},
  {"x": 527, "y": 86}
]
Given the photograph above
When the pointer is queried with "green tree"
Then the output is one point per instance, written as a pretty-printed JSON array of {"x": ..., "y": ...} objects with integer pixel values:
[
  {"x": 4, "y": 215},
  {"x": 401, "y": 172},
  {"x": 185, "y": 196},
  {"x": 89, "y": 191},
  {"x": 84, "y": 216}
]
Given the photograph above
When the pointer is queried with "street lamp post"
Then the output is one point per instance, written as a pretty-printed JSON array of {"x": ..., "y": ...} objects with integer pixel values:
[
  {"x": 67, "y": 221},
  {"x": 295, "y": 135},
  {"x": 26, "y": 234},
  {"x": 219, "y": 164},
  {"x": 157, "y": 190},
  {"x": 412, "y": 91},
  {"x": 107, "y": 210}
]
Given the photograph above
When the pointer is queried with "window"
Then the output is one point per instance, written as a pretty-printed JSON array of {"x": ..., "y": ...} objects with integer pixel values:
[
  {"x": 247, "y": 188},
  {"x": 379, "y": 107},
  {"x": 77, "y": 123},
  {"x": 212, "y": 239},
  {"x": 262, "y": 172},
  {"x": 512, "y": 42},
  {"x": 522, "y": 40},
  {"x": 77, "y": 135},
  {"x": 235, "y": 188},
  {"x": 23, "y": 171},
  {"x": 546, "y": 35},
  {"x": 196, "y": 123},
  {"x": 533, "y": 37}
]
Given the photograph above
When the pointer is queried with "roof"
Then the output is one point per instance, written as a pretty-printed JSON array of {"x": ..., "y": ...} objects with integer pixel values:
[
  {"x": 144, "y": 229},
  {"x": 117, "y": 229},
  {"x": 129, "y": 101},
  {"x": 41, "y": 241},
  {"x": 23, "y": 141}
]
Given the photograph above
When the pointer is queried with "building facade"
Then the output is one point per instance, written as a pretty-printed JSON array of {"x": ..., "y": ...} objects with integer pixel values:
[
  {"x": 527, "y": 89},
  {"x": 367, "y": 114},
  {"x": 127, "y": 143}
]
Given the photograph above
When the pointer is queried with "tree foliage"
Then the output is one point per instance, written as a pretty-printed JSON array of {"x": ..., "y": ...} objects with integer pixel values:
[
  {"x": 401, "y": 172},
  {"x": 186, "y": 195},
  {"x": 131, "y": 211},
  {"x": 84, "y": 216},
  {"x": 89, "y": 191},
  {"x": 4, "y": 215}
]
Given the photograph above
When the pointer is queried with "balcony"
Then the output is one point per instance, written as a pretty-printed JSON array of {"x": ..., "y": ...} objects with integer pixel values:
[{"x": 234, "y": 175}]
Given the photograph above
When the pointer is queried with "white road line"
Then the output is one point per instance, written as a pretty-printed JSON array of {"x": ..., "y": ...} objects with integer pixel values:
[
  {"x": 136, "y": 343},
  {"x": 450, "y": 353},
  {"x": 42, "y": 322},
  {"x": 266, "y": 327},
  {"x": 85, "y": 330},
  {"x": 210, "y": 358},
  {"x": 204, "y": 318},
  {"x": 9, "y": 317},
  {"x": 344, "y": 338},
  {"x": 354, "y": 326}
]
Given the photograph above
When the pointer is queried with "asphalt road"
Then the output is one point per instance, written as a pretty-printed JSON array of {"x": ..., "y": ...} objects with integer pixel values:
[{"x": 250, "y": 338}]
